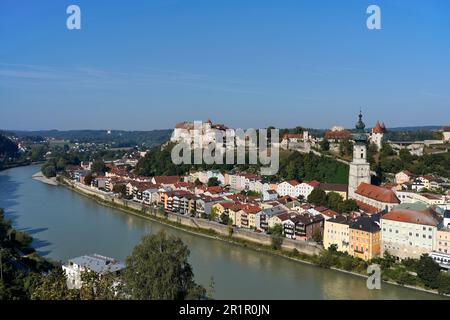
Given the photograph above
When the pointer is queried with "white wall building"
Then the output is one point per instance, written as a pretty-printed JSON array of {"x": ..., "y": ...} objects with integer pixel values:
[
  {"x": 408, "y": 233},
  {"x": 90, "y": 263}
]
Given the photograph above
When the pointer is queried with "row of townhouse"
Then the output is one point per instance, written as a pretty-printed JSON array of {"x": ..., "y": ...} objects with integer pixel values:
[
  {"x": 302, "y": 190},
  {"x": 358, "y": 237},
  {"x": 404, "y": 233},
  {"x": 418, "y": 183}
]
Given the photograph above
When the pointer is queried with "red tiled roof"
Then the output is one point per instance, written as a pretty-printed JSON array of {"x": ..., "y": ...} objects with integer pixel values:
[
  {"x": 330, "y": 213},
  {"x": 379, "y": 128},
  {"x": 215, "y": 189},
  {"x": 167, "y": 179},
  {"x": 251, "y": 209},
  {"x": 377, "y": 193},
  {"x": 411, "y": 216},
  {"x": 338, "y": 135},
  {"x": 313, "y": 183},
  {"x": 293, "y": 182},
  {"x": 367, "y": 208},
  {"x": 293, "y": 136}
]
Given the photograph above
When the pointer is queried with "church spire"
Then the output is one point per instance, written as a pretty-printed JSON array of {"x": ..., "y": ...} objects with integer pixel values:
[{"x": 360, "y": 136}]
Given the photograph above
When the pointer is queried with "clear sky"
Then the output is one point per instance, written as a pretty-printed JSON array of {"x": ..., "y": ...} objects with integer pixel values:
[{"x": 142, "y": 65}]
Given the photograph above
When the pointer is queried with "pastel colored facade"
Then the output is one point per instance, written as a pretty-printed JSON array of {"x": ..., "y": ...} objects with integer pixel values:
[
  {"x": 246, "y": 217},
  {"x": 365, "y": 239},
  {"x": 403, "y": 177},
  {"x": 375, "y": 196},
  {"x": 337, "y": 232},
  {"x": 262, "y": 217},
  {"x": 442, "y": 241},
  {"x": 408, "y": 233}
]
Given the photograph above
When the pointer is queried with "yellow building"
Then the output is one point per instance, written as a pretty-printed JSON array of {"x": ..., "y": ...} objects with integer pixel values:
[
  {"x": 337, "y": 231},
  {"x": 365, "y": 239},
  {"x": 246, "y": 217}
]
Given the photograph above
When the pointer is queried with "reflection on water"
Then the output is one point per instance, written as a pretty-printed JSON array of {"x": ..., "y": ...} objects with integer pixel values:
[{"x": 65, "y": 224}]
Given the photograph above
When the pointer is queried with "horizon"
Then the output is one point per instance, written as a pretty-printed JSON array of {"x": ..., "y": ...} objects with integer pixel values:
[{"x": 148, "y": 65}]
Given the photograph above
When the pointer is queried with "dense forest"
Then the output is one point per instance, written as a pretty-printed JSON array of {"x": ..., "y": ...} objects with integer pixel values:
[
  {"x": 293, "y": 165},
  {"x": 119, "y": 138},
  {"x": 7, "y": 147}
]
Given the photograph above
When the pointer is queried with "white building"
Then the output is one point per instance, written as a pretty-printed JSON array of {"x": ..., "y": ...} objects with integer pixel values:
[
  {"x": 289, "y": 188},
  {"x": 269, "y": 195},
  {"x": 90, "y": 263},
  {"x": 446, "y": 133},
  {"x": 408, "y": 233}
]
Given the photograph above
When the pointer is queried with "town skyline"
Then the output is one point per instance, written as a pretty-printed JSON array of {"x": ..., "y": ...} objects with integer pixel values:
[{"x": 302, "y": 63}]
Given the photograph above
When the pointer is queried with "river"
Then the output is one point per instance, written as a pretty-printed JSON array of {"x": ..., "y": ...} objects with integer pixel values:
[{"x": 65, "y": 224}]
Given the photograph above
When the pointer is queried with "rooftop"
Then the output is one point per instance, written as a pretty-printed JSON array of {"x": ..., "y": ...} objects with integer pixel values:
[
  {"x": 412, "y": 216},
  {"x": 98, "y": 264},
  {"x": 377, "y": 193}
]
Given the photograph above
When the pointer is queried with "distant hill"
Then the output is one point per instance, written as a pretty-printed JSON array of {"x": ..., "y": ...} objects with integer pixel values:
[{"x": 120, "y": 138}]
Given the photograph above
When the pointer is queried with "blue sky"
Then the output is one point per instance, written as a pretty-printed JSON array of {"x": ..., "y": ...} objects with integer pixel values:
[{"x": 142, "y": 65}]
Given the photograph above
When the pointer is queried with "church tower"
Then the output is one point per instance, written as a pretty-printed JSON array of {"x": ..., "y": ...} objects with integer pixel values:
[{"x": 359, "y": 167}]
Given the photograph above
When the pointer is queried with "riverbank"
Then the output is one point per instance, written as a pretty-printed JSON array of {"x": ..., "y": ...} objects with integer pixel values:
[
  {"x": 39, "y": 176},
  {"x": 159, "y": 217}
]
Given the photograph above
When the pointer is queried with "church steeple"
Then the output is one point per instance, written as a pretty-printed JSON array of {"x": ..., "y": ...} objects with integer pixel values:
[
  {"x": 359, "y": 167},
  {"x": 360, "y": 136}
]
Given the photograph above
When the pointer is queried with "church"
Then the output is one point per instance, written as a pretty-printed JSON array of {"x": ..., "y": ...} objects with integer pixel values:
[{"x": 370, "y": 198}]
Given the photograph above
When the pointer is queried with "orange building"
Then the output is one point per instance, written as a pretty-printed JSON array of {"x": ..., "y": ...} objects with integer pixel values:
[{"x": 365, "y": 239}]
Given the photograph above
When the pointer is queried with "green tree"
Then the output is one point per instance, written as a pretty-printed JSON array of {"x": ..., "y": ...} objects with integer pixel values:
[
  {"x": 213, "y": 182},
  {"x": 225, "y": 219},
  {"x": 120, "y": 189},
  {"x": 317, "y": 236},
  {"x": 88, "y": 179},
  {"x": 98, "y": 166},
  {"x": 276, "y": 241},
  {"x": 318, "y": 197},
  {"x": 345, "y": 148},
  {"x": 325, "y": 145},
  {"x": 158, "y": 269},
  {"x": 38, "y": 152},
  {"x": 54, "y": 287},
  {"x": 98, "y": 287},
  {"x": 334, "y": 201},
  {"x": 428, "y": 271}
]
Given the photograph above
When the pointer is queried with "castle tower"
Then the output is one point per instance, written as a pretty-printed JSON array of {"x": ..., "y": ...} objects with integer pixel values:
[
  {"x": 359, "y": 167},
  {"x": 377, "y": 135}
]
